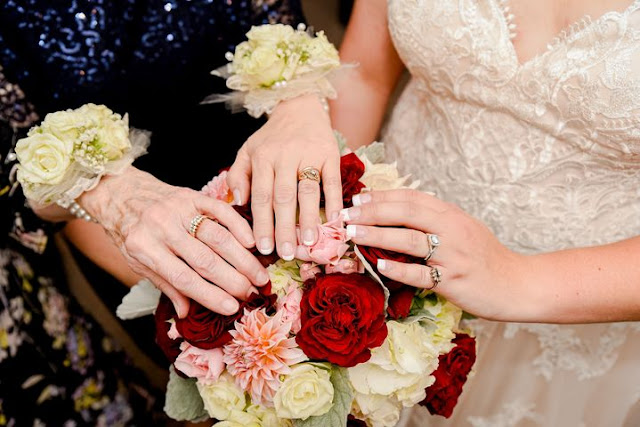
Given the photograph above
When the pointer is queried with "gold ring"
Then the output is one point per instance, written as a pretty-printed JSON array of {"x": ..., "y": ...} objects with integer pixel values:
[
  {"x": 309, "y": 173},
  {"x": 195, "y": 224}
]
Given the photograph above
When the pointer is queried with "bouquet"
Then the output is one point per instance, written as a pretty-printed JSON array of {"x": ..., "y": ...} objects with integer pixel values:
[{"x": 328, "y": 342}]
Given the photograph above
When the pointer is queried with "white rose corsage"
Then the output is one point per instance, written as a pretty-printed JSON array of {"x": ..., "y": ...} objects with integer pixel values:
[
  {"x": 277, "y": 63},
  {"x": 71, "y": 150}
]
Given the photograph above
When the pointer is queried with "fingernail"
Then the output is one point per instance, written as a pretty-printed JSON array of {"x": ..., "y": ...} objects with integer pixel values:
[
  {"x": 307, "y": 237},
  {"x": 265, "y": 246},
  {"x": 353, "y": 231},
  {"x": 252, "y": 290},
  {"x": 230, "y": 306},
  {"x": 262, "y": 278},
  {"x": 350, "y": 214},
  {"x": 287, "y": 251},
  {"x": 361, "y": 199},
  {"x": 237, "y": 197},
  {"x": 382, "y": 265}
]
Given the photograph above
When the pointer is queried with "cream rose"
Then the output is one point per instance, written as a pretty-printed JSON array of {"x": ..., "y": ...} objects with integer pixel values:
[
  {"x": 401, "y": 367},
  {"x": 447, "y": 318},
  {"x": 44, "y": 159},
  {"x": 64, "y": 125},
  {"x": 240, "y": 419},
  {"x": 281, "y": 274},
  {"x": 222, "y": 397},
  {"x": 377, "y": 410},
  {"x": 96, "y": 114},
  {"x": 268, "y": 416},
  {"x": 322, "y": 53},
  {"x": 113, "y": 138},
  {"x": 270, "y": 34},
  {"x": 384, "y": 176},
  {"x": 307, "y": 391}
]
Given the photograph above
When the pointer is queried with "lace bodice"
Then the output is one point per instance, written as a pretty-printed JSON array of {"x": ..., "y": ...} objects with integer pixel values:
[{"x": 546, "y": 153}]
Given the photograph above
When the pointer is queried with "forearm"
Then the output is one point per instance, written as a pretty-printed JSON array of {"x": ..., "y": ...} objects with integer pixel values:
[
  {"x": 588, "y": 285},
  {"x": 91, "y": 239}
]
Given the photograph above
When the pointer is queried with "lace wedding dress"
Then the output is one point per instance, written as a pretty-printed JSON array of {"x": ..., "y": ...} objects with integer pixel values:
[{"x": 547, "y": 154}]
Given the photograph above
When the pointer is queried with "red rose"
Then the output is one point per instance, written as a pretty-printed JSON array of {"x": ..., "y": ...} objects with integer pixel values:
[
  {"x": 452, "y": 372},
  {"x": 164, "y": 313},
  {"x": 245, "y": 212},
  {"x": 354, "y": 422},
  {"x": 351, "y": 170},
  {"x": 372, "y": 255},
  {"x": 342, "y": 318},
  {"x": 206, "y": 329},
  {"x": 400, "y": 302}
]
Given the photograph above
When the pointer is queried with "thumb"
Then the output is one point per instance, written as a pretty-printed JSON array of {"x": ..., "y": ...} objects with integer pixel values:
[{"x": 239, "y": 178}]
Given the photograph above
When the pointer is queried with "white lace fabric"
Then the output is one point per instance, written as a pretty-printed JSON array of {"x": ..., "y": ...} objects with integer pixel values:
[{"x": 547, "y": 154}]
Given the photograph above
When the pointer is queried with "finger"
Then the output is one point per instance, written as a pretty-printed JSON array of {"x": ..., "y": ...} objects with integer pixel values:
[
  {"x": 332, "y": 187},
  {"x": 212, "y": 267},
  {"x": 407, "y": 214},
  {"x": 180, "y": 302},
  {"x": 262, "y": 205},
  {"x": 189, "y": 283},
  {"x": 309, "y": 200},
  {"x": 239, "y": 178},
  {"x": 401, "y": 195},
  {"x": 227, "y": 216},
  {"x": 285, "y": 206},
  {"x": 226, "y": 246},
  {"x": 402, "y": 240},
  {"x": 411, "y": 274}
]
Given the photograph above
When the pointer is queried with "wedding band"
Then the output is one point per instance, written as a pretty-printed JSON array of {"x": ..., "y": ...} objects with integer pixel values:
[
  {"x": 195, "y": 224},
  {"x": 433, "y": 241},
  {"x": 436, "y": 277},
  {"x": 309, "y": 173}
]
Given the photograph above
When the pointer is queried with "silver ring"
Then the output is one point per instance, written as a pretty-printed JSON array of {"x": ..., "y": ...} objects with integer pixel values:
[
  {"x": 436, "y": 277},
  {"x": 433, "y": 241},
  {"x": 195, "y": 224}
]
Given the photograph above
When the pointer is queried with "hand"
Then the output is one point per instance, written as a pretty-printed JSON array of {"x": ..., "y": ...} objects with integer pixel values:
[
  {"x": 149, "y": 221},
  {"x": 298, "y": 135},
  {"x": 478, "y": 273}
]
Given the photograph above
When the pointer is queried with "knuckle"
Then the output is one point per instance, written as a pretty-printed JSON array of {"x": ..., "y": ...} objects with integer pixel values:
[
  {"x": 284, "y": 194},
  {"x": 203, "y": 261},
  {"x": 217, "y": 235},
  {"x": 307, "y": 188},
  {"x": 332, "y": 182},
  {"x": 181, "y": 279},
  {"x": 260, "y": 197},
  {"x": 410, "y": 210}
]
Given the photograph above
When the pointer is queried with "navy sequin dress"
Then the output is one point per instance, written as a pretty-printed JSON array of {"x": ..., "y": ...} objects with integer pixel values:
[{"x": 148, "y": 58}]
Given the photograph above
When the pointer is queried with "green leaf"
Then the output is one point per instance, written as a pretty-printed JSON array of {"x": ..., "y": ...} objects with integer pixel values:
[
  {"x": 342, "y": 400},
  {"x": 374, "y": 152},
  {"x": 183, "y": 402}
]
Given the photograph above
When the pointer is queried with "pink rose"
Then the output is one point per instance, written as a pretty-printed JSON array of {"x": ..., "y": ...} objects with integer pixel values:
[
  {"x": 329, "y": 248},
  {"x": 309, "y": 270},
  {"x": 194, "y": 362},
  {"x": 173, "y": 331},
  {"x": 289, "y": 305},
  {"x": 347, "y": 265},
  {"x": 218, "y": 188}
]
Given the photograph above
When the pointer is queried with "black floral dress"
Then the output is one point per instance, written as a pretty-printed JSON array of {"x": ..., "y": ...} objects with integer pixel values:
[{"x": 150, "y": 58}]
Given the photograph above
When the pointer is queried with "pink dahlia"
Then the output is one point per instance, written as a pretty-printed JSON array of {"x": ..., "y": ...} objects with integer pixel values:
[
  {"x": 259, "y": 353},
  {"x": 218, "y": 188}
]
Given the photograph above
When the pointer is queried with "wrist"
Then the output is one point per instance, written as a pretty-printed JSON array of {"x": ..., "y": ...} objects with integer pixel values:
[{"x": 309, "y": 103}]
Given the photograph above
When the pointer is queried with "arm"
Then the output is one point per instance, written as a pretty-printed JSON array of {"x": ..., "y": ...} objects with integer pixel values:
[{"x": 482, "y": 276}]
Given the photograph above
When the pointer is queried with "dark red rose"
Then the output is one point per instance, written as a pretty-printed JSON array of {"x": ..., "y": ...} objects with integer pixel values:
[
  {"x": 452, "y": 372},
  {"x": 400, "y": 302},
  {"x": 372, "y": 255},
  {"x": 245, "y": 212},
  {"x": 164, "y": 313},
  {"x": 206, "y": 329},
  {"x": 351, "y": 170},
  {"x": 342, "y": 318},
  {"x": 354, "y": 422}
]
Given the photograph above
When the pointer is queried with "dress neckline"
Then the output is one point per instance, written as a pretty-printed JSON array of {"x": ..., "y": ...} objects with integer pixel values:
[{"x": 571, "y": 31}]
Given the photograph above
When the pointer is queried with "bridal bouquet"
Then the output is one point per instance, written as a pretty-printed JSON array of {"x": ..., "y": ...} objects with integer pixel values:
[{"x": 328, "y": 342}]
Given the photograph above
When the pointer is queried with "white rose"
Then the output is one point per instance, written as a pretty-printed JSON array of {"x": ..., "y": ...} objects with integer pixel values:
[
  {"x": 240, "y": 419},
  {"x": 322, "y": 53},
  {"x": 264, "y": 67},
  {"x": 377, "y": 410},
  {"x": 64, "y": 125},
  {"x": 44, "y": 159},
  {"x": 447, "y": 319},
  {"x": 307, "y": 391},
  {"x": 272, "y": 34},
  {"x": 384, "y": 176},
  {"x": 113, "y": 138},
  {"x": 268, "y": 416},
  {"x": 96, "y": 114},
  {"x": 222, "y": 397},
  {"x": 401, "y": 367}
]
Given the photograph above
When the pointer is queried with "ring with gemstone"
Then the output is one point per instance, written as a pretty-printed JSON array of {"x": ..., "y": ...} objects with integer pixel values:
[
  {"x": 436, "y": 277},
  {"x": 309, "y": 173},
  {"x": 195, "y": 224},
  {"x": 433, "y": 241}
]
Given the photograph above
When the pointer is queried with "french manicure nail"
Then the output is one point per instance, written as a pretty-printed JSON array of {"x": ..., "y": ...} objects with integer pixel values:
[
  {"x": 230, "y": 306},
  {"x": 307, "y": 237},
  {"x": 237, "y": 200},
  {"x": 382, "y": 265},
  {"x": 287, "y": 251},
  {"x": 361, "y": 199},
  {"x": 352, "y": 231},
  {"x": 350, "y": 214},
  {"x": 265, "y": 246},
  {"x": 345, "y": 214},
  {"x": 262, "y": 278}
]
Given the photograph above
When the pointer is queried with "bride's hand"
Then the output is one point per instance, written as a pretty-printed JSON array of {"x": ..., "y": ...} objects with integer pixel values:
[
  {"x": 478, "y": 273},
  {"x": 149, "y": 220},
  {"x": 298, "y": 135}
]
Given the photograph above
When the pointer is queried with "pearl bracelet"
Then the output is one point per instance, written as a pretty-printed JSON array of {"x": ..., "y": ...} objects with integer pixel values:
[{"x": 80, "y": 213}]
